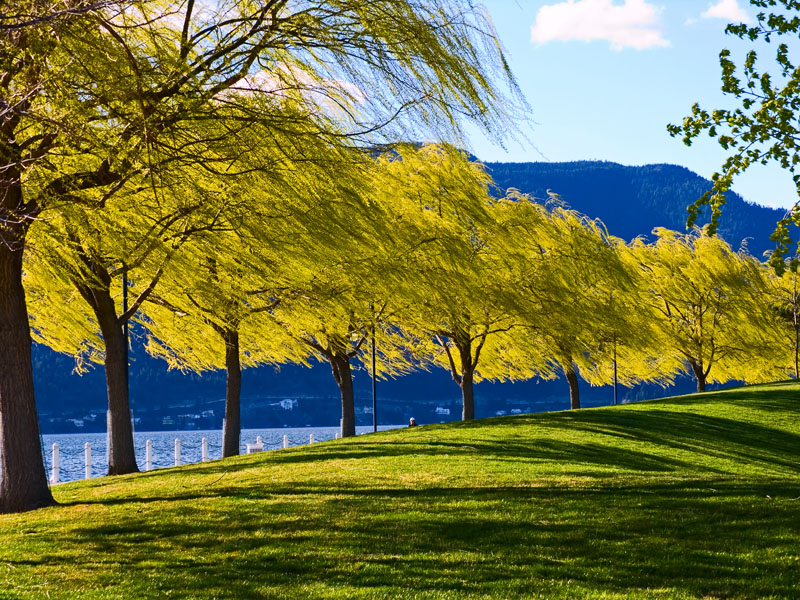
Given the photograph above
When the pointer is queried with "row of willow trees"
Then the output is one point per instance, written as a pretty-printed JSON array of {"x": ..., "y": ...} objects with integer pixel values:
[
  {"x": 409, "y": 247},
  {"x": 137, "y": 136}
]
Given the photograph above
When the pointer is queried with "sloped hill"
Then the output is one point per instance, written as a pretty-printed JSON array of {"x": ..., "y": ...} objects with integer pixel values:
[
  {"x": 631, "y": 201},
  {"x": 693, "y": 497}
]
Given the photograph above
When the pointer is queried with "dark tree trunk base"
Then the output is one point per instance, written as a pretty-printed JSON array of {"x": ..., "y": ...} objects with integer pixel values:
[
  {"x": 467, "y": 397},
  {"x": 574, "y": 391},
  {"x": 699, "y": 375},
  {"x": 231, "y": 434},
  {"x": 342, "y": 373},
  {"x": 24, "y": 480},
  {"x": 121, "y": 452}
]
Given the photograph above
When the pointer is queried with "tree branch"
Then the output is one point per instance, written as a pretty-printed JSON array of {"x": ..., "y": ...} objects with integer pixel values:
[{"x": 444, "y": 344}]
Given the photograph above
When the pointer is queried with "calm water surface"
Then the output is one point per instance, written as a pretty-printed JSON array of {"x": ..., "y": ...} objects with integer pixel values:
[{"x": 71, "y": 446}]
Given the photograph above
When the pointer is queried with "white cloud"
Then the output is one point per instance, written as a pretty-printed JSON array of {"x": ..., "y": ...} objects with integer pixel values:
[
  {"x": 728, "y": 10},
  {"x": 632, "y": 24}
]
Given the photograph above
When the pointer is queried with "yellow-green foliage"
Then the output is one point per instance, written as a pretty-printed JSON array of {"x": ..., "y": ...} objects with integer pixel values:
[
  {"x": 273, "y": 234},
  {"x": 712, "y": 306},
  {"x": 782, "y": 298},
  {"x": 135, "y": 234},
  {"x": 574, "y": 291},
  {"x": 409, "y": 242},
  {"x": 446, "y": 277}
]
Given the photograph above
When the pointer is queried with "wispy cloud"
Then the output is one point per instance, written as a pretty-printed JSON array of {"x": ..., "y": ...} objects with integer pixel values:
[
  {"x": 728, "y": 10},
  {"x": 633, "y": 24}
]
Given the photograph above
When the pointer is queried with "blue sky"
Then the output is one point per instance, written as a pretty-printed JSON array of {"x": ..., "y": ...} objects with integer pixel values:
[{"x": 604, "y": 77}]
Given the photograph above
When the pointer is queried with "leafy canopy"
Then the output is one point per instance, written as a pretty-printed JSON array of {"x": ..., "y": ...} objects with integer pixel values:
[{"x": 763, "y": 127}]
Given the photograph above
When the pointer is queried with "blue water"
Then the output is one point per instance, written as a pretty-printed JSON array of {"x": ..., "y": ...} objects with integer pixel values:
[{"x": 71, "y": 446}]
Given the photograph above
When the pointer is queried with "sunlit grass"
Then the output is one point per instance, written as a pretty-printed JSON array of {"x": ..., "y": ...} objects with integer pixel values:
[{"x": 695, "y": 497}]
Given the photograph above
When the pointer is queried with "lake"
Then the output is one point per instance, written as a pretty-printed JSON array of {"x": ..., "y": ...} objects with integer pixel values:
[{"x": 71, "y": 446}]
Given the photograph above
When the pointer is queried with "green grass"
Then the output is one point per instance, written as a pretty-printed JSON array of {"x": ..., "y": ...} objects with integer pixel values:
[{"x": 695, "y": 497}]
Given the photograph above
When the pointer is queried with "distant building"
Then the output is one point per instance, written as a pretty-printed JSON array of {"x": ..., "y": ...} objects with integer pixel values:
[{"x": 188, "y": 421}]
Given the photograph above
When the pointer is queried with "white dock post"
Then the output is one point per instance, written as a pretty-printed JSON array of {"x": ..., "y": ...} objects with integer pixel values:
[
  {"x": 87, "y": 457},
  {"x": 55, "y": 476},
  {"x": 257, "y": 447},
  {"x": 285, "y": 441},
  {"x": 204, "y": 449},
  {"x": 148, "y": 456},
  {"x": 177, "y": 452},
  {"x": 311, "y": 439}
]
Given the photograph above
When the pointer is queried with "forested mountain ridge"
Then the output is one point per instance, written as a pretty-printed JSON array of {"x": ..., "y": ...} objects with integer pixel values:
[{"x": 630, "y": 201}]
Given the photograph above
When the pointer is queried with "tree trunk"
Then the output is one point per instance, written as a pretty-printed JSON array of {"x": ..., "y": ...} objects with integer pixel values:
[
  {"x": 340, "y": 365},
  {"x": 467, "y": 396},
  {"x": 233, "y": 393},
  {"x": 699, "y": 375},
  {"x": 701, "y": 384},
  {"x": 121, "y": 453},
  {"x": 574, "y": 391},
  {"x": 24, "y": 481},
  {"x": 467, "y": 382}
]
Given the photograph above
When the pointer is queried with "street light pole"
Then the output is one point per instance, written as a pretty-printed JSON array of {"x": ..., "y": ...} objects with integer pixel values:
[
  {"x": 374, "y": 385},
  {"x": 125, "y": 324},
  {"x": 615, "y": 370}
]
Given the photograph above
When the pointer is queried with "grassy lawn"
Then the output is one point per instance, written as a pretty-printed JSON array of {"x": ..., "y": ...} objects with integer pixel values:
[{"x": 695, "y": 497}]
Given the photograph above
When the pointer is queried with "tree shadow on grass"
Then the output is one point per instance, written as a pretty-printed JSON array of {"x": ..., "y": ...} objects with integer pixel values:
[
  {"x": 710, "y": 435},
  {"x": 654, "y": 435},
  {"x": 639, "y": 511},
  {"x": 593, "y": 440},
  {"x": 703, "y": 538}
]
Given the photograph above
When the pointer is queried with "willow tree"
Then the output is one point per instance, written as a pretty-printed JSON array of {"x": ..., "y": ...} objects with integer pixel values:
[
  {"x": 356, "y": 271},
  {"x": 137, "y": 240},
  {"x": 309, "y": 271},
  {"x": 451, "y": 282},
  {"x": 711, "y": 307},
  {"x": 403, "y": 260},
  {"x": 628, "y": 343},
  {"x": 95, "y": 92},
  {"x": 215, "y": 307},
  {"x": 210, "y": 316},
  {"x": 574, "y": 295},
  {"x": 783, "y": 297},
  {"x": 104, "y": 257},
  {"x": 333, "y": 318}
]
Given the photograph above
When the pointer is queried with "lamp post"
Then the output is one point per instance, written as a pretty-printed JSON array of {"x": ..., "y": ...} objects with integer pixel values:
[
  {"x": 615, "y": 370},
  {"x": 125, "y": 323},
  {"x": 374, "y": 383},
  {"x": 126, "y": 336}
]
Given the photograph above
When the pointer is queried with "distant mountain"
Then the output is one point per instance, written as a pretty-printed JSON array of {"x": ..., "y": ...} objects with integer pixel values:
[{"x": 631, "y": 201}]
